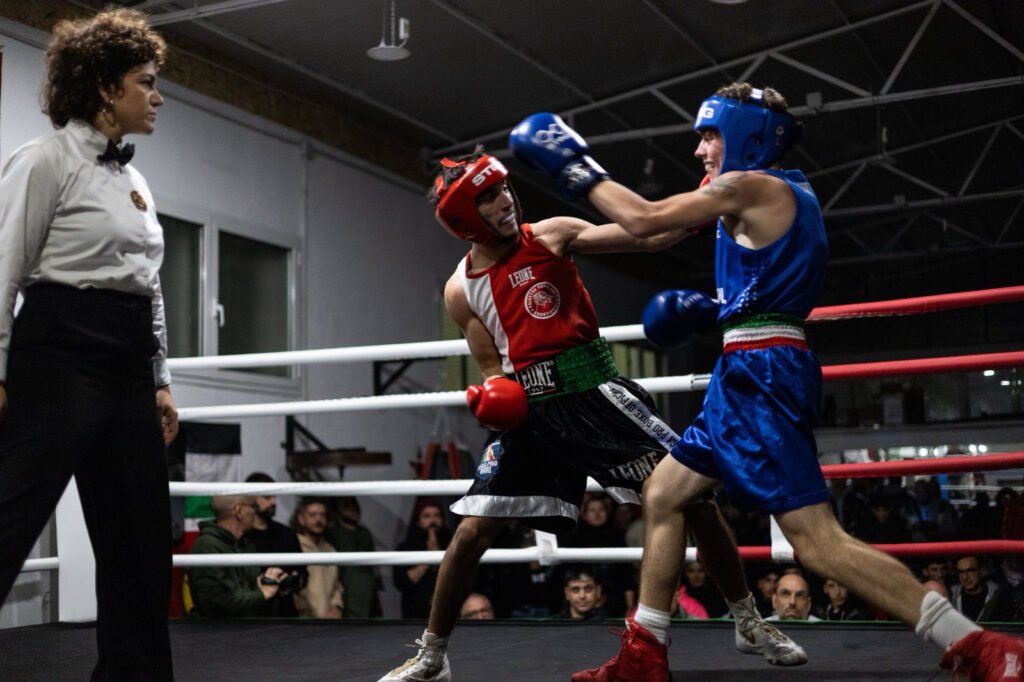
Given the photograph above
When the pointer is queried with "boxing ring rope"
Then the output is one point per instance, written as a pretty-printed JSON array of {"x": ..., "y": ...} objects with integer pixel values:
[
  {"x": 629, "y": 332},
  {"x": 634, "y": 332},
  {"x": 680, "y": 383},
  {"x": 546, "y": 551},
  {"x": 919, "y": 304}
]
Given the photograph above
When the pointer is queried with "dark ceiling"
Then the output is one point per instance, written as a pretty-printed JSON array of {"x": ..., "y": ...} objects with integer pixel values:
[{"x": 914, "y": 111}]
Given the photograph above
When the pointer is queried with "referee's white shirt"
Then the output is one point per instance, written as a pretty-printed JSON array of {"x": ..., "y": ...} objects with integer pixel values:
[{"x": 68, "y": 218}]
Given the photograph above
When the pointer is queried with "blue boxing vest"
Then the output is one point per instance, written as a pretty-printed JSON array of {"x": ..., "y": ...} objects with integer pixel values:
[{"x": 783, "y": 277}]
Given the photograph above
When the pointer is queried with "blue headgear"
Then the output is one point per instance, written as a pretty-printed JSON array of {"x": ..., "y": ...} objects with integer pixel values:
[{"x": 753, "y": 136}]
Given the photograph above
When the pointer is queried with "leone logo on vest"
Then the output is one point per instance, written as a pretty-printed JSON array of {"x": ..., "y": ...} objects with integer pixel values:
[{"x": 542, "y": 300}]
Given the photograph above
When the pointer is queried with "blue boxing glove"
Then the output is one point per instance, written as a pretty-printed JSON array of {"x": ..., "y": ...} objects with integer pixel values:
[
  {"x": 671, "y": 316},
  {"x": 544, "y": 141}
]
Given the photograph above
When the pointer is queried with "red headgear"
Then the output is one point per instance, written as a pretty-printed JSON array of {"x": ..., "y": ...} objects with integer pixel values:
[{"x": 456, "y": 202}]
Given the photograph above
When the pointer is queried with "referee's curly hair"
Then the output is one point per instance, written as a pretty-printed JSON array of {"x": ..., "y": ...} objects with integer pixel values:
[{"x": 86, "y": 54}]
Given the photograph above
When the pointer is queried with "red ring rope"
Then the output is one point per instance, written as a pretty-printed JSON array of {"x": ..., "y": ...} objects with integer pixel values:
[
  {"x": 915, "y": 549},
  {"x": 920, "y": 304},
  {"x": 1006, "y": 460},
  {"x": 956, "y": 363},
  {"x": 912, "y": 467}
]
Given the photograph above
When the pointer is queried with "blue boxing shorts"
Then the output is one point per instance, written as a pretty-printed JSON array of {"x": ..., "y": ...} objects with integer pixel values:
[{"x": 755, "y": 434}]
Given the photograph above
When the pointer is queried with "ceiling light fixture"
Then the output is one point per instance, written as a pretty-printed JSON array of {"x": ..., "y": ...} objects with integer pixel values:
[{"x": 395, "y": 33}]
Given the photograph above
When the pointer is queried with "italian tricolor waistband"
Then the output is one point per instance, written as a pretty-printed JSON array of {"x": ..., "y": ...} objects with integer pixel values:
[{"x": 763, "y": 331}]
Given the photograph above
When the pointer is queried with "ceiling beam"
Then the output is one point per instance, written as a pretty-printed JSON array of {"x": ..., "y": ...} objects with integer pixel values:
[
  {"x": 719, "y": 68},
  {"x": 888, "y": 167},
  {"x": 1010, "y": 221},
  {"x": 819, "y": 74},
  {"x": 845, "y": 186},
  {"x": 208, "y": 11},
  {"x": 973, "y": 20},
  {"x": 939, "y": 202},
  {"x": 917, "y": 145},
  {"x": 888, "y": 246},
  {"x": 841, "y": 105},
  {"x": 919, "y": 253},
  {"x": 563, "y": 81},
  {"x": 980, "y": 159},
  {"x": 909, "y": 50}
]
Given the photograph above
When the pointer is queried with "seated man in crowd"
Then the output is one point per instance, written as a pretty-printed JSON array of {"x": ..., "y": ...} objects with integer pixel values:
[
  {"x": 792, "y": 599},
  {"x": 767, "y": 580},
  {"x": 360, "y": 584},
  {"x": 841, "y": 604},
  {"x": 321, "y": 597},
  {"x": 936, "y": 569},
  {"x": 583, "y": 596},
  {"x": 976, "y": 597},
  {"x": 416, "y": 583},
  {"x": 595, "y": 530},
  {"x": 270, "y": 537},
  {"x": 477, "y": 607},
  {"x": 231, "y": 591}
]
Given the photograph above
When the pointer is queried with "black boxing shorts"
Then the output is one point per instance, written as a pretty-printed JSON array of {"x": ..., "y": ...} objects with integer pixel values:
[{"x": 538, "y": 471}]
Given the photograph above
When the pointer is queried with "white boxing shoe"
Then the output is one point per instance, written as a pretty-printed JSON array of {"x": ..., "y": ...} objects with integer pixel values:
[
  {"x": 756, "y": 636},
  {"x": 430, "y": 664}
]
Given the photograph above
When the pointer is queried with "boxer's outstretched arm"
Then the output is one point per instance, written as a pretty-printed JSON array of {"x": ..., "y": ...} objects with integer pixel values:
[{"x": 643, "y": 218}]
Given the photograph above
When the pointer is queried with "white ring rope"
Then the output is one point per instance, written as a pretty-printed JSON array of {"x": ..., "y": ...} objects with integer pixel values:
[
  {"x": 685, "y": 382},
  {"x": 546, "y": 551},
  {"x": 455, "y": 486},
  {"x": 491, "y": 556},
  {"x": 48, "y": 564},
  {"x": 392, "y": 351}
]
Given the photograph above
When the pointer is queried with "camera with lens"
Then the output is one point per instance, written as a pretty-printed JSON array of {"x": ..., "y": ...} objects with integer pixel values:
[
  {"x": 291, "y": 582},
  {"x": 286, "y": 584}
]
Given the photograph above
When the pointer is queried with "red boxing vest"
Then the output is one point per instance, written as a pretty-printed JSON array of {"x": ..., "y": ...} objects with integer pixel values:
[{"x": 533, "y": 303}]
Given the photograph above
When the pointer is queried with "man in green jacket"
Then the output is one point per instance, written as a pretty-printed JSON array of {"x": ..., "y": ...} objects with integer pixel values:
[
  {"x": 231, "y": 591},
  {"x": 361, "y": 583}
]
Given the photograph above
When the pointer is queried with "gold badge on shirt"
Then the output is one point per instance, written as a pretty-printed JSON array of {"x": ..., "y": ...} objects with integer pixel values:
[{"x": 139, "y": 202}]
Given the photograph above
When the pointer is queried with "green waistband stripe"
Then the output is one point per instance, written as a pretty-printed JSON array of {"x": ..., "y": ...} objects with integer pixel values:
[
  {"x": 583, "y": 368},
  {"x": 763, "y": 320}
]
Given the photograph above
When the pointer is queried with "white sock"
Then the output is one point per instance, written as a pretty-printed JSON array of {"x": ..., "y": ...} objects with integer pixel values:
[
  {"x": 654, "y": 621},
  {"x": 743, "y": 608},
  {"x": 941, "y": 623}
]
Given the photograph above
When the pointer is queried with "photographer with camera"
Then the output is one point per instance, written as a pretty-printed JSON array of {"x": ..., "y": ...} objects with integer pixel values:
[
  {"x": 231, "y": 591},
  {"x": 321, "y": 597},
  {"x": 271, "y": 537}
]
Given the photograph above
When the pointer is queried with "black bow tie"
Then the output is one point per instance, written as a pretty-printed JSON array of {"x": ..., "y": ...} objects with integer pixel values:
[{"x": 122, "y": 155}]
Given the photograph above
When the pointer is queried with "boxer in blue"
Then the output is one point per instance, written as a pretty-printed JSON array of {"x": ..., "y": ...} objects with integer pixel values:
[{"x": 754, "y": 434}]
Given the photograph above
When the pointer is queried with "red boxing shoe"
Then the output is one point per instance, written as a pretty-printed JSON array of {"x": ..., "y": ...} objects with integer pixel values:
[
  {"x": 641, "y": 658},
  {"x": 986, "y": 656}
]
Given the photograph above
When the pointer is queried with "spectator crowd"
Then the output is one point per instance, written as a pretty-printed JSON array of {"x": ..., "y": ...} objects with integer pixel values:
[{"x": 878, "y": 511}]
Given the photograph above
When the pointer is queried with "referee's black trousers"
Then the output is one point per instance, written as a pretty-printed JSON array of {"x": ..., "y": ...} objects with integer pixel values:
[{"x": 81, "y": 401}]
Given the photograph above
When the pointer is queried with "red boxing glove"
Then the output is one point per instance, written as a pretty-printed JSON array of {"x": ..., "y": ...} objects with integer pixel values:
[
  {"x": 500, "y": 404},
  {"x": 697, "y": 229}
]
